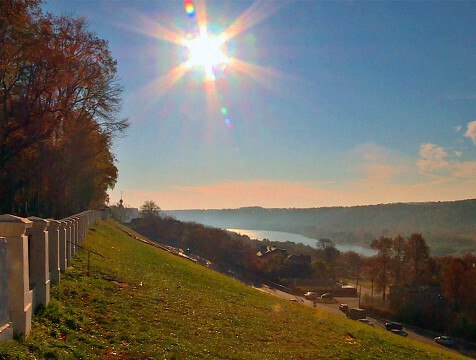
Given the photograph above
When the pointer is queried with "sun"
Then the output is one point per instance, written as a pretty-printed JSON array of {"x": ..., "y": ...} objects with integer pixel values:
[{"x": 206, "y": 51}]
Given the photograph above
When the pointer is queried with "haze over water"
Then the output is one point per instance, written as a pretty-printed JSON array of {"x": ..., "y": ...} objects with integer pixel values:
[{"x": 296, "y": 238}]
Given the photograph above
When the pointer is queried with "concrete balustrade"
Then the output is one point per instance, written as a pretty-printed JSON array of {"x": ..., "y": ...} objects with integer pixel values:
[
  {"x": 6, "y": 329},
  {"x": 13, "y": 228},
  {"x": 105, "y": 213},
  {"x": 83, "y": 223},
  {"x": 69, "y": 239},
  {"x": 39, "y": 261},
  {"x": 33, "y": 252},
  {"x": 63, "y": 259},
  {"x": 74, "y": 234},
  {"x": 53, "y": 246}
]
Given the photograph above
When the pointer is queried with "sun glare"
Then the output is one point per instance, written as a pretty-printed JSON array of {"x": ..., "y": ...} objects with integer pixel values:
[{"x": 206, "y": 51}]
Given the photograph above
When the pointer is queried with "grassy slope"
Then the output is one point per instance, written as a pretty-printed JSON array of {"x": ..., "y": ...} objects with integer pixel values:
[{"x": 184, "y": 311}]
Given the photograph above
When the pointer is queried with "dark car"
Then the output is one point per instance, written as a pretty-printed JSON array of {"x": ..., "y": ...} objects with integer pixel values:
[
  {"x": 393, "y": 326},
  {"x": 445, "y": 340}
]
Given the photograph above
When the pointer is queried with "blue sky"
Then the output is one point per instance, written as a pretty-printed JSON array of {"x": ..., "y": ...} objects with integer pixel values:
[{"x": 337, "y": 103}]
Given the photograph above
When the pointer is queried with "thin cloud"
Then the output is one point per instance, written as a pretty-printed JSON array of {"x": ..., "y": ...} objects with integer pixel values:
[
  {"x": 434, "y": 160},
  {"x": 471, "y": 131}
]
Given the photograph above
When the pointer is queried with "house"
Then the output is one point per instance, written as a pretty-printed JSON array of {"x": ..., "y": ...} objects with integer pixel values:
[{"x": 266, "y": 251}]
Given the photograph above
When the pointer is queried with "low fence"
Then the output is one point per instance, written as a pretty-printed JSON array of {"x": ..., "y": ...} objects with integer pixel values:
[{"x": 33, "y": 253}]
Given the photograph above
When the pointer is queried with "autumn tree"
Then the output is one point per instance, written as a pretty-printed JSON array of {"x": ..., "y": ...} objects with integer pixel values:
[
  {"x": 150, "y": 209},
  {"x": 59, "y": 96},
  {"x": 328, "y": 250},
  {"x": 416, "y": 256},
  {"x": 381, "y": 263},
  {"x": 351, "y": 262},
  {"x": 398, "y": 260},
  {"x": 459, "y": 286}
]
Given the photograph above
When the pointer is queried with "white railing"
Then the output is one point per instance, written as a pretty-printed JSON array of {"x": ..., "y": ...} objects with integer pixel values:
[{"x": 33, "y": 253}]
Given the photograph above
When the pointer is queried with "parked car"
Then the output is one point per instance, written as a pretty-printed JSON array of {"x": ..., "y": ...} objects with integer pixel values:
[
  {"x": 366, "y": 321},
  {"x": 310, "y": 295},
  {"x": 399, "y": 332},
  {"x": 356, "y": 314},
  {"x": 344, "y": 308},
  {"x": 445, "y": 340},
  {"x": 393, "y": 326},
  {"x": 326, "y": 296}
]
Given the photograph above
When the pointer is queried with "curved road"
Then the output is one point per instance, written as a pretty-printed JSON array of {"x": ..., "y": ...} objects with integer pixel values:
[{"x": 352, "y": 302}]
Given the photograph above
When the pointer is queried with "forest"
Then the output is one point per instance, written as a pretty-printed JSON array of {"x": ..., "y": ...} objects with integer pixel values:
[
  {"x": 58, "y": 113},
  {"x": 449, "y": 227}
]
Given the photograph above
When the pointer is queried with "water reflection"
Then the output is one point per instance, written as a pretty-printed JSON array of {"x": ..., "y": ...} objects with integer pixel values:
[{"x": 285, "y": 236}]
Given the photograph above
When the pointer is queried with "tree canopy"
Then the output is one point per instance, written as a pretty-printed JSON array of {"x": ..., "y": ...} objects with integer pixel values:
[
  {"x": 58, "y": 113},
  {"x": 150, "y": 209}
]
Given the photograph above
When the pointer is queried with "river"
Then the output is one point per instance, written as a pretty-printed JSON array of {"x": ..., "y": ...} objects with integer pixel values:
[{"x": 285, "y": 236}]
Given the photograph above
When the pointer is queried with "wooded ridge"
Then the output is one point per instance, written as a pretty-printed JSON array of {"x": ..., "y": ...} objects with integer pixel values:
[{"x": 449, "y": 227}]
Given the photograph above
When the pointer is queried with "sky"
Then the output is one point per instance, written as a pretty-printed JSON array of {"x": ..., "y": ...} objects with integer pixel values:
[{"x": 316, "y": 103}]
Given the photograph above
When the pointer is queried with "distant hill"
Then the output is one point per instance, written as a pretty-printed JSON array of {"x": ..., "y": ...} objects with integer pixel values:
[{"x": 449, "y": 227}]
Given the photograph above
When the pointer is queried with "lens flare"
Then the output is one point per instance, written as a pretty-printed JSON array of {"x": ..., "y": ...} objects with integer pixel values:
[{"x": 189, "y": 8}]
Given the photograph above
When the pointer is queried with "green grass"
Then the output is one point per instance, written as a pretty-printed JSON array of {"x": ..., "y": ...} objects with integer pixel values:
[{"x": 143, "y": 303}]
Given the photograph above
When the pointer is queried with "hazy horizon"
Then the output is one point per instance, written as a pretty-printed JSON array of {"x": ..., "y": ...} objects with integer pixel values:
[{"x": 289, "y": 208}]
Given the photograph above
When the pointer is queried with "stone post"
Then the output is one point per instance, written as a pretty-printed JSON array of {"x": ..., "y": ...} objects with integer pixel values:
[
  {"x": 6, "y": 330},
  {"x": 76, "y": 234},
  {"x": 13, "y": 228},
  {"x": 69, "y": 239},
  {"x": 79, "y": 224},
  {"x": 105, "y": 213},
  {"x": 39, "y": 262},
  {"x": 53, "y": 245},
  {"x": 62, "y": 247},
  {"x": 82, "y": 226},
  {"x": 79, "y": 235}
]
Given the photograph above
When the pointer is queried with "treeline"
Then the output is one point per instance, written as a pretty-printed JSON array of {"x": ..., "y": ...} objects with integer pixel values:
[
  {"x": 59, "y": 101},
  {"x": 431, "y": 292},
  {"x": 230, "y": 252},
  {"x": 226, "y": 252},
  {"x": 450, "y": 227}
]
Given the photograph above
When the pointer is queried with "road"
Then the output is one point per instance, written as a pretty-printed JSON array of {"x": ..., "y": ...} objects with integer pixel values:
[{"x": 351, "y": 302}]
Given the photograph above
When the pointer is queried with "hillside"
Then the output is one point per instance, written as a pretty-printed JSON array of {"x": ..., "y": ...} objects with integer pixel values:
[
  {"x": 141, "y": 302},
  {"x": 449, "y": 227}
]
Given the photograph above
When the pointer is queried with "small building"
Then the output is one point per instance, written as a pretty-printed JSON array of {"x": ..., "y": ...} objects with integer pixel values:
[
  {"x": 266, "y": 251},
  {"x": 346, "y": 291}
]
